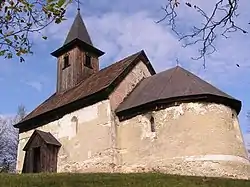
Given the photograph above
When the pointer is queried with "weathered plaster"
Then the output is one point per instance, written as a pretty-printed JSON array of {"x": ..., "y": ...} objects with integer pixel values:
[
  {"x": 139, "y": 72},
  {"x": 88, "y": 136},
  {"x": 194, "y": 134},
  {"x": 189, "y": 139},
  {"x": 86, "y": 141}
]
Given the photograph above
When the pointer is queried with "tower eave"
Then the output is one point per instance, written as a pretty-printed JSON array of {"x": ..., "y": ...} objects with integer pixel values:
[{"x": 79, "y": 43}]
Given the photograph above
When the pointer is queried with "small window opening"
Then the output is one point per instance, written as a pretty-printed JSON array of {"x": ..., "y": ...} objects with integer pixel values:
[
  {"x": 66, "y": 61},
  {"x": 88, "y": 61},
  {"x": 74, "y": 122},
  {"x": 152, "y": 123},
  {"x": 232, "y": 115}
]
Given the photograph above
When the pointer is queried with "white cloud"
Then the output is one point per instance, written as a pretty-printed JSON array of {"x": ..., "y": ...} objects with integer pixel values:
[
  {"x": 34, "y": 84},
  {"x": 121, "y": 34}
]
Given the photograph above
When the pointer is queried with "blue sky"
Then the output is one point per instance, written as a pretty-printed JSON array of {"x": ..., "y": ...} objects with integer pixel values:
[{"x": 123, "y": 27}]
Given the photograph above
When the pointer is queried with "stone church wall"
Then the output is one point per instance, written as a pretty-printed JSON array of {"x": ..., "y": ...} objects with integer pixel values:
[
  {"x": 88, "y": 135},
  {"x": 190, "y": 139},
  {"x": 85, "y": 138},
  {"x": 139, "y": 72}
]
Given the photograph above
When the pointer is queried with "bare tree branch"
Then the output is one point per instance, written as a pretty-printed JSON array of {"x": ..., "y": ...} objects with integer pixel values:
[
  {"x": 9, "y": 139},
  {"x": 220, "y": 22}
]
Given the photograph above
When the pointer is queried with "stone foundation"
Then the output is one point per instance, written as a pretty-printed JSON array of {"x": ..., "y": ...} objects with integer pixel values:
[{"x": 208, "y": 168}]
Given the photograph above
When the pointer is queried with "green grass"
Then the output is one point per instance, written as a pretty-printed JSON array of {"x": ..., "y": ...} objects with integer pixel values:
[{"x": 115, "y": 180}]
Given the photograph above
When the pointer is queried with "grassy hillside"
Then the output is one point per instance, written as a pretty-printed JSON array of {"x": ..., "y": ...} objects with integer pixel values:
[{"x": 115, "y": 180}]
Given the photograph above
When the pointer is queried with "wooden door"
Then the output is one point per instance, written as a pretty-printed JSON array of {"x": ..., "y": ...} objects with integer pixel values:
[{"x": 36, "y": 160}]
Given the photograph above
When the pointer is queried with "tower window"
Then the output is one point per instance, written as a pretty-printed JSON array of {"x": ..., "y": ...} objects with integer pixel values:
[
  {"x": 88, "y": 61},
  {"x": 66, "y": 61}
]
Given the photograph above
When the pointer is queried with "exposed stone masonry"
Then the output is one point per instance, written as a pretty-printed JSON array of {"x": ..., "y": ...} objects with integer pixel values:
[{"x": 190, "y": 139}]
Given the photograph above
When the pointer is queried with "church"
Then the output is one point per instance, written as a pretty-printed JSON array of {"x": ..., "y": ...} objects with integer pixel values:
[{"x": 128, "y": 118}]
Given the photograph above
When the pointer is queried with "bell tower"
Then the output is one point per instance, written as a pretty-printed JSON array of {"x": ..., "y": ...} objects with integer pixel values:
[{"x": 77, "y": 59}]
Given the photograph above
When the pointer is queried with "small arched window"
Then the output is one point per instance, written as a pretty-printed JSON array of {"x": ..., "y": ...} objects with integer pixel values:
[
  {"x": 74, "y": 122},
  {"x": 152, "y": 123}
]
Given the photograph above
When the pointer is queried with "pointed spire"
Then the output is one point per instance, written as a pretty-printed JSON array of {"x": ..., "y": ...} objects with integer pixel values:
[
  {"x": 78, "y": 30},
  {"x": 78, "y": 36}
]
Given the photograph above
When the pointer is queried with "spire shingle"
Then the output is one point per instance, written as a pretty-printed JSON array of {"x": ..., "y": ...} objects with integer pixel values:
[{"x": 79, "y": 31}]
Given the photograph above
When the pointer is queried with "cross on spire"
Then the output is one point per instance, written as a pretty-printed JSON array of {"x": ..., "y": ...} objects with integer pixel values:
[
  {"x": 177, "y": 62},
  {"x": 78, "y": 5}
]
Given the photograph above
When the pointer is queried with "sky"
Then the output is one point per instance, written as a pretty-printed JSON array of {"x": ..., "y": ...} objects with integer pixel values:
[{"x": 120, "y": 28}]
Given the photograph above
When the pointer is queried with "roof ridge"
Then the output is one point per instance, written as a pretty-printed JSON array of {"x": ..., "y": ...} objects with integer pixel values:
[
  {"x": 107, "y": 67},
  {"x": 193, "y": 81},
  {"x": 185, "y": 86},
  {"x": 173, "y": 70},
  {"x": 135, "y": 56},
  {"x": 96, "y": 87},
  {"x": 204, "y": 81},
  {"x": 123, "y": 59},
  {"x": 196, "y": 76}
]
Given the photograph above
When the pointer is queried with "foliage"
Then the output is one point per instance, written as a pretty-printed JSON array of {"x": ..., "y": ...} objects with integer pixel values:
[
  {"x": 220, "y": 21},
  {"x": 20, "y": 18},
  {"x": 9, "y": 140},
  {"x": 116, "y": 180}
]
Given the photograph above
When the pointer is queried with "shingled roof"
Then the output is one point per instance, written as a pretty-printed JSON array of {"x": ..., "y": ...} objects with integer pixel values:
[
  {"x": 173, "y": 85},
  {"x": 78, "y": 35},
  {"x": 78, "y": 30},
  {"x": 47, "y": 137},
  {"x": 96, "y": 88}
]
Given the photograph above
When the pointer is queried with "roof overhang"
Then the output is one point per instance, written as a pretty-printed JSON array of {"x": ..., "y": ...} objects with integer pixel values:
[
  {"x": 45, "y": 136},
  {"x": 80, "y": 44},
  {"x": 59, "y": 112},
  {"x": 128, "y": 113}
]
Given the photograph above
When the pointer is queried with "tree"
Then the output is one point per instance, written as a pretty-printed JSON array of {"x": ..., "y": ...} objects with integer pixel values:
[
  {"x": 20, "y": 18},
  {"x": 21, "y": 113},
  {"x": 220, "y": 21},
  {"x": 9, "y": 139}
]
